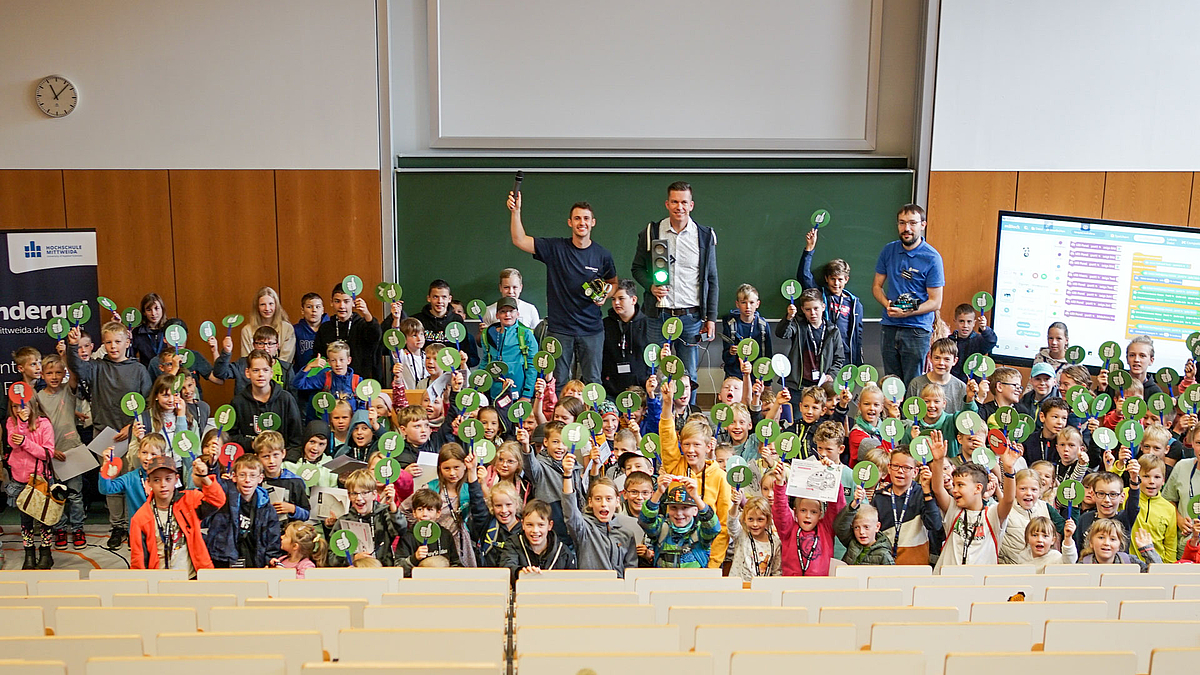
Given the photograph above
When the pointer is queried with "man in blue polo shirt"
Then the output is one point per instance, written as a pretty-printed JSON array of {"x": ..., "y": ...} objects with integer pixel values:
[
  {"x": 574, "y": 317},
  {"x": 912, "y": 268}
]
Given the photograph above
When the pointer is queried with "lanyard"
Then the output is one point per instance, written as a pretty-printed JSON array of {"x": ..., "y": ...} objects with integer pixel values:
[
  {"x": 899, "y": 516},
  {"x": 969, "y": 532},
  {"x": 754, "y": 553},
  {"x": 815, "y": 343},
  {"x": 703, "y": 479},
  {"x": 806, "y": 559},
  {"x": 166, "y": 532}
]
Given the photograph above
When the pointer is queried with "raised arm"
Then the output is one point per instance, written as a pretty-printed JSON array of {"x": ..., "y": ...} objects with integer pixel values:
[
  {"x": 937, "y": 446},
  {"x": 515, "y": 227}
]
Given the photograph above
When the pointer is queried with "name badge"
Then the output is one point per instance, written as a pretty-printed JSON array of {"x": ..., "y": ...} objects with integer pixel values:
[{"x": 624, "y": 368}]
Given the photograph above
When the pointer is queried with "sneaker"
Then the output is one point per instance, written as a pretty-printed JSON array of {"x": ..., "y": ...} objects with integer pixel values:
[
  {"x": 79, "y": 540},
  {"x": 60, "y": 540},
  {"x": 117, "y": 538}
]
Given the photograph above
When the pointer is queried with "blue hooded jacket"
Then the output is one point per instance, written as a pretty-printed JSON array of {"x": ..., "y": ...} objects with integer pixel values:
[{"x": 222, "y": 535}]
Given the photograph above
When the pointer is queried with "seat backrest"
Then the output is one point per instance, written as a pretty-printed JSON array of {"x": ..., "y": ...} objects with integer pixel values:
[
  {"x": 936, "y": 639},
  {"x": 687, "y": 618},
  {"x": 104, "y": 589},
  {"x": 41, "y": 667},
  {"x": 1093, "y": 571},
  {"x": 22, "y": 621},
  {"x": 434, "y": 646},
  {"x": 1007, "y": 663},
  {"x": 145, "y": 621},
  {"x": 1186, "y": 592},
  {"x": 1036, "y": 613},
  {"x": 1139, "y": 636},
  {"x": 31, "y": 577},
  {"x": 448, "y": 617},
  {"x": 1169, "y": 660},
  {"x": 392, "y": 574},
  {"x": 646, "y": 586},
  {"x": 1164, "y": 579},
  {"x": 867, "y": 571},
  {"x": 863, "y": 617},
  {"x": 452, "y": 586},
  {"x": 906, "y": 584},
  {"x": 493, "y": 573},
  {"x": 397, "y": 668},
  {"x": 1037, "y": 583},
  {"x": 574, "y": 639},
  {"x": 815, "y": 600},
  {"x": 626, "y": 664},
  {"x": 777, "y": 585},
  {"x": 242, "y": 589},
  {"x": 571, "y": 574},
  {"x": 560, "y": 585},
  {"x": 721, "y": 640},
  {"x": 962, "y": 596},
  {"x": 296, "y": 647},
  {"x": 188, "y": 665},
  {"x": 370, "y": 589},
  {"x": 589, "y": 615},
  {"x": 355, "y": 605},
  {"x": 50, "y": 603},
  {"x": 979, "y": 572},
  {"x": 1149, "y": 610},
  {"x": 444, "y": 599},
  {"x": 271, "y": 575},
  {"x": 74, "y": 651},
  {"x": 664, "y": 600},
  {"x": 152, "y": 577},
  {"x": 201, "y": 603},
  {"x": 327, "y": 620},
  {"x": 892, "y": 663},
  {"x": 14, "y": 588},
  {"x": 632, "y": 575},
  {"x": 1113, "y": 595},
  {"x": 586, "y": 598}
]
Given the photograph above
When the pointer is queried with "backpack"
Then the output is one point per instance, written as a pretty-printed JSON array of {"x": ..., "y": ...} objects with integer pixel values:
[
  {"x": 521, "y": 344},
  {"x": 354, "y": 380}
]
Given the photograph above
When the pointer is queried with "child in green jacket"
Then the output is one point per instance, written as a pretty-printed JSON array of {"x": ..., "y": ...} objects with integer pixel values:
[{"x": 857, "y": 526}]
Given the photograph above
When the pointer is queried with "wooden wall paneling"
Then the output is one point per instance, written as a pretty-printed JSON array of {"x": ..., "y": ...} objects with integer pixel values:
[
  {"x": 1067, "y": 193},
  {"x": 328, "y": 227},
  {"x": 963, "y": 211},
  {"x": 1148, "y": 196},
  {"x": 224, "y": 245},
  {"x": 32, "y": 199},
  {"x": 131, "y": 213},
  {"x": 1194, "y": 211}
]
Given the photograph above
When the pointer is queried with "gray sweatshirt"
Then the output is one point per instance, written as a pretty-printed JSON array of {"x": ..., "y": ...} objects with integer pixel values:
[
  {"x": 599, "y": 546},
  {"x": 109, "y": 382},
  {"x": 59, "y": 408}
]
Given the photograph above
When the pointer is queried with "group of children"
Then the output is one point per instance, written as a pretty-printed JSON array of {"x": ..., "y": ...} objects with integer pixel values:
[{"x": 646, "y": 487}]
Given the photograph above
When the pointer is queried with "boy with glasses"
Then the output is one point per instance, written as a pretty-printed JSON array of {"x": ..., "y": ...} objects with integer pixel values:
[
  {"x": 266, "y": 339},
  {"x": 1005, "y": 385},
  {"x": 1107, "y": 491},
  {"x": 907, "y": 510}
]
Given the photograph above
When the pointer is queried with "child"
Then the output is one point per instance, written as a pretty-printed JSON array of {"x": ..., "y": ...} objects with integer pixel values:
[
  {"x": 360, "y": 443},
  {"x": 1105, "y": 544},
  {"x": 304, "y": 546},
  {"x": 537, "y": 548},
  {"x": 756, "y": 546},
  {"x": 268, "y": 446},
  {"x": 738, "y": 433},
  {"x": 418, "y": 437},
  {"x": 426, "y": 505},
  {"x": 814, "y": 349},
  {"x": 1046, "y": 480},
  {"x": 339, "y": 428},
  {"x": 938, "y": 418},
  {"x": 545, "y": 471},
  {"x": 1039, "y": 541},
  {"x": 1052, "y": 419},
  {"x": 245, "y": 531},
  {"x": 494, "y": 522},
  {"x": 830, "y": 441},
  {"x": 410, "y": 364},
  {"x": 687, "y": 455},
  {"x": 966, "y": 322},
  {"x": 639, "y": 486},
  {"x": 108, "y": 380},
  {"x": 1072, "y": 460},
  {"x": 810, "y": 526},
  {"x": 57, "y": 403},
  {"x": 973, "y": 530},
  {"x": 812, "y": 409},
  {"x": 626, "y": 334},
  {"x": 165, "y": 531},
  {"x": 866, "y": 425},
  {"x": 505, "y": 468},
  {"x": 599, "y": 543},
  {"x": 906, "y": 508},
  {"x": 385, "y": 520},
  {"x": 437, "y": 314},
  {"x": 1181, "y": 486},
  {"x": 132, "y": 483},
  {"x": 1155, "y": 514},
  {"x": 1028, "y": 505},
  {"x": 1106, "y": 489},
  {"x": 31, "y": 437},
  {"x": 165, "y": 414},
  {"x": 1005, "y": 386},
  {"x": 1054, "y": 354},
  {"x": 842, "y": 308},
  {"x": 744, "y": 322},
  {"x": 381, "y": 415},
  {"x": 268, "y": 311},
  {"x": 1041, "y": 386},
  {"x": 339, "y": 380},
  {"x": 312, "y": 307},
  {"x": 684, "y": 537},
  {"x": 210, "y": 448},
  {"x": 943, "y": 355},
  {"x": 456, "y": 470},
  {"x": 1191, "y": 552},
  {"x": 264, "y": 395},
  {"x": 514, "y": 345},
  {"x": 857, "y": 526},
  {"x": 353, "y": 325},
  {"x": 493, "y": 425},
  {"x": 266, "y": 339},
  {"x": 148, "y": 336}
]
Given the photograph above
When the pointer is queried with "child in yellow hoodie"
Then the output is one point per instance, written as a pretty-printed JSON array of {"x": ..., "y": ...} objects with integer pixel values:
[{"x": 1156, "y": 515}]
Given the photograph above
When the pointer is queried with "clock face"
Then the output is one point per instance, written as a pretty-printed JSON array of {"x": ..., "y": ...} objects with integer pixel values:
[{"x": 55, "y": 96}]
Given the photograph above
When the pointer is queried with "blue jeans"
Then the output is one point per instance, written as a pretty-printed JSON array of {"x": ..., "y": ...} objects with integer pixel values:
[
  {"x": 73, "y": 514},
  {"x": 904, "y": 351},
  {"x": 582, "y": 351},
  {"x": 687, "y": 347}
]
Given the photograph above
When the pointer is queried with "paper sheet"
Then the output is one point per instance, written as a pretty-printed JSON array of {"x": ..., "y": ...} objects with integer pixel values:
[
  {"x": 78, "y": 461},
  {"x": 812, "y": 480},
  {"x": 344, "y": 465},
  {"x": 278, "y": 495},
  {"x": 364, "y": 532},
  {"x": 428, "y": 463},
  {"x": 328, "y": 501}
]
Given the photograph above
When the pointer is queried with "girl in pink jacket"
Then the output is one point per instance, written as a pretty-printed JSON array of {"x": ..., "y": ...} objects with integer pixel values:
[
  {"x": 806, "y": 534},
  {"x": 31, "y": 437}
]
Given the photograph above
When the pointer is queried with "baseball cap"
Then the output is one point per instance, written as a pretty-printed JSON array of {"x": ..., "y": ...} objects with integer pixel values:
[
  {"x": 161, "y": 462},
  {"x": 1041, "y": 369},
  {"x": 678, "y": 495},
  {"x": 506, "y": 303}
]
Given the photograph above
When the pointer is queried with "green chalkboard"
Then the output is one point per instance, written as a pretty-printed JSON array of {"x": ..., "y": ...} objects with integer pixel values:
[{"x": 454, "y": 224}]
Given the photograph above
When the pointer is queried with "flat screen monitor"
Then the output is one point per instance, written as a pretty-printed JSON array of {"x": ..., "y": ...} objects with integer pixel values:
[{"x": 1105, "y": 279}]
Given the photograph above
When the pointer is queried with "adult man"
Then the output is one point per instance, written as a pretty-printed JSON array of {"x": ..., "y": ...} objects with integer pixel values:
[
  {"x": 912, "y": 268},
  {"x": 571, "y": 265},
  {"x": 691, "y": 292},
  {"x": 353, "y": 323}
]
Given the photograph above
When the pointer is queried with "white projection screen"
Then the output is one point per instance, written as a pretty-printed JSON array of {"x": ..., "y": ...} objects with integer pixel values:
[
  {"x": 630, "y": 74},
  {"x": 1107, "y": 280}
]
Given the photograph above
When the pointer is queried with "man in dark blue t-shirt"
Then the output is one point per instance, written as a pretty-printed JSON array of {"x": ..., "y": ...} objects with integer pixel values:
[
  {"x": 571, "y": 264},
  {"x": 909, "y": 267}
]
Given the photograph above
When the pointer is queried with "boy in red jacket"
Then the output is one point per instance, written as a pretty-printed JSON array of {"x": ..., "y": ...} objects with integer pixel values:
[{"x": 171, "y": 517}]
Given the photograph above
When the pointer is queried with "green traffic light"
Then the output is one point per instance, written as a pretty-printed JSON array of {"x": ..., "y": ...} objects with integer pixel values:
[{"x": 660, "y": 276}]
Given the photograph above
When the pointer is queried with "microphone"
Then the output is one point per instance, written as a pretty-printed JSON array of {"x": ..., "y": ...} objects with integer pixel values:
[{"x": 517, "y": 183}]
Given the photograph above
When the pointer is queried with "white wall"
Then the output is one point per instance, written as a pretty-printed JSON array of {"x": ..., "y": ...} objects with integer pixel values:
[
  {"x": 1067, "y": 85},
  {"x": 410, "y": 70},
  {"x": 208, "y": 84}
]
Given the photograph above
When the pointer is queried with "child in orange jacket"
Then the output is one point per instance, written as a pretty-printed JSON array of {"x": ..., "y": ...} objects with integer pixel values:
[{"x": 172, "y": 518}]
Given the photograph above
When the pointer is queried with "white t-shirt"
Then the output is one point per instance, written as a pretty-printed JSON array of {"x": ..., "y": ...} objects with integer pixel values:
[
  {"x": 1013, "y": 548},
  {"x": 984, "y": 530},
  {"x": 180, "y": 558},
  {"x": 527, "y": 314}
]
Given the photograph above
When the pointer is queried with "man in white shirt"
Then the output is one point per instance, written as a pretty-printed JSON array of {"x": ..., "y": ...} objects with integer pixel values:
[{"x": 511, "y": 285}]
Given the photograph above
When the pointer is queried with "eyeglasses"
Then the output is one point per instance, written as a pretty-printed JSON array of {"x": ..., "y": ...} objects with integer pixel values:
[
  {"x": 901, "y": 467},
  {"x": 1009, "y": 384},
  {"x": 260, "y": 343},
  {"x": 361, "y": 494},
  {"x": 1107, "y": 495},
  {"x": 909, "y": 222},
  {"x": 637, "y": 493}
]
